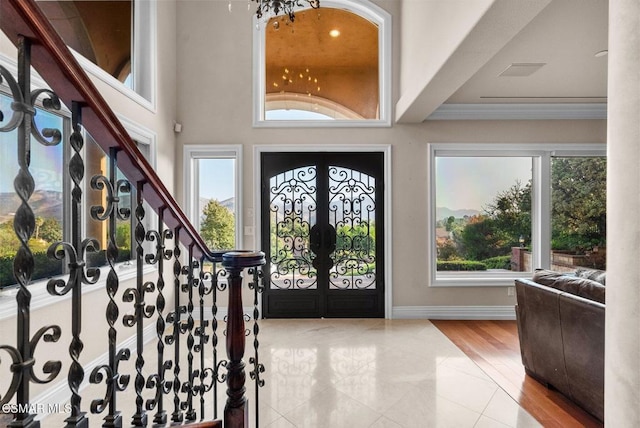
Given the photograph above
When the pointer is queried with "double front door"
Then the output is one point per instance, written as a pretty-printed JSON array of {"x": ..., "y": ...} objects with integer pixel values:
[{"x": 322, "y": 232}]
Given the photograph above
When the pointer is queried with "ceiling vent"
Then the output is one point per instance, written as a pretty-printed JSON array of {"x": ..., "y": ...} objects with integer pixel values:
[{"x": 522, "y": 69}]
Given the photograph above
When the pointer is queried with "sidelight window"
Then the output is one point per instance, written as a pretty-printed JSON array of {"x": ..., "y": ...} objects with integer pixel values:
[{"x": 212, "y": 180}]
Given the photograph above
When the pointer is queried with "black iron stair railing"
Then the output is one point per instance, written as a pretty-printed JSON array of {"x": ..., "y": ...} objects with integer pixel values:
[{"x": 177, "y": 390}]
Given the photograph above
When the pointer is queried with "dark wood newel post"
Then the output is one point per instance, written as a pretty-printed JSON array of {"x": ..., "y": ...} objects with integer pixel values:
[{"x": 236, "y": 414}]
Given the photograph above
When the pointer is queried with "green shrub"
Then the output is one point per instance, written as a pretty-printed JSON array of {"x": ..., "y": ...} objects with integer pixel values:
[
  {"x": 458, "y": 265},
  {"x": 43, "y": 268},
  {"x": 498, "y": 262},
  {"x": 47, "y": 268}
]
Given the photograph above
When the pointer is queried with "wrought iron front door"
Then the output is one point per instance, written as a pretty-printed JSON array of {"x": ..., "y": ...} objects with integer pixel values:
[{"x": 322, "y": 232}]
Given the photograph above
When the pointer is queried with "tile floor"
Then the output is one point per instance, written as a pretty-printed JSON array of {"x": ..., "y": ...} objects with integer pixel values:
[{"x": 364, "y": 373}]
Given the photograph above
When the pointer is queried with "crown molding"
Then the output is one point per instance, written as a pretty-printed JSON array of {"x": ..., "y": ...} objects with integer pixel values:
[{"x": 537, "y": 111}]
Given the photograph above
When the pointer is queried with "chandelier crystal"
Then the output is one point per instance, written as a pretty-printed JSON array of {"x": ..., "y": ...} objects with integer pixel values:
[{"x": 282, "y": 7}]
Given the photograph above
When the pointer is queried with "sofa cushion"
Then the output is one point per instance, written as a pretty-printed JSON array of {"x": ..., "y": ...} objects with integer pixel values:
[
  {"x": 546, "y": 277},
  {"x": 593, "y": 274},
  {"x": 582, "y": 287}
]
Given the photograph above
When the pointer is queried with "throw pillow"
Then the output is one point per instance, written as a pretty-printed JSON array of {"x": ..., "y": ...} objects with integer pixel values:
[{"x": 593, "y": 274}]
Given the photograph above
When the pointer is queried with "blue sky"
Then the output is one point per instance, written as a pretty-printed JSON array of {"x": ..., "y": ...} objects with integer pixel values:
[
  {"x": 217, "y": 178},
  {"x": 472, "y": 182},
  {"x": 46, "y": 162}
]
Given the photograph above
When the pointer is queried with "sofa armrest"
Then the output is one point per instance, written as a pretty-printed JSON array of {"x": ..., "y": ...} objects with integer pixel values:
[
  {"x": 541, "y": 345},
  {"x": 583, "y": 336}
]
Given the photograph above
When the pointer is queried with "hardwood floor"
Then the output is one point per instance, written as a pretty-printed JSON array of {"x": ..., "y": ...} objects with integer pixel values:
[{"x": 494, "y": 347}]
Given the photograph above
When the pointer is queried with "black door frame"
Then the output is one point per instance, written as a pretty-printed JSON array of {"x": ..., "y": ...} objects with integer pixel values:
[{"x": 381, "y": 154}]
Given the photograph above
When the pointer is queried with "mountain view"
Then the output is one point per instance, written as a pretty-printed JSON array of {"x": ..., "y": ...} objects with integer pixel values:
[
  {"x": 45, "y": 204},
  {"x": 444, "y": 212}
]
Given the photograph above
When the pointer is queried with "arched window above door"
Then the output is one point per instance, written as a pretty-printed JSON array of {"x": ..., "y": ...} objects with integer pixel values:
[{"x": 335, "y": 60}]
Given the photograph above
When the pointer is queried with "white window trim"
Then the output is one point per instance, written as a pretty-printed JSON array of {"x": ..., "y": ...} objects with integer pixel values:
[
  {"x": 363, "y": 8},
  {"x": 388, "y": 208},
  {"x": 540, "y": 205},
  {"x": 193, "y": 152}
]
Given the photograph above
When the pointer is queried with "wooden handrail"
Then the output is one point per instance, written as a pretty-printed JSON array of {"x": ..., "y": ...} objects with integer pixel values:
[{"x": 53, "y": 60}]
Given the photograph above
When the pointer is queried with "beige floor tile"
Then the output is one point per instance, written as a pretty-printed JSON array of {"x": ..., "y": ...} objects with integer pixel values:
[
  {"x": 349, "y": 374},
  {"x": 331, "y": 408},
  {"x": 280, "y": 423},
  {"x": 504, "y": 409},
  {"x": 485, "y": 422},
  {"x": 427, "y": 409},
  {"x": 385, "y": 423}
]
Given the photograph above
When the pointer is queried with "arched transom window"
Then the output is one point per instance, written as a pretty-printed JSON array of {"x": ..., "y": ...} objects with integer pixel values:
[{"x": 329, "y": 67}]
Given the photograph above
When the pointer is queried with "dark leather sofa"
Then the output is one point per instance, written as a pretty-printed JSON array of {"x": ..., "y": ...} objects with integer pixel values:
[{"x": 561, "y": 329}]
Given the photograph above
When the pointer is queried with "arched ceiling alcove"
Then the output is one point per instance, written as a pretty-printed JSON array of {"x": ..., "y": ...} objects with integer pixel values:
[{"x": 304, "y": 58}]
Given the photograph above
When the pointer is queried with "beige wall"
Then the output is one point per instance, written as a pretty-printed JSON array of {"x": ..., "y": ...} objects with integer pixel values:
[{"x": 215, "y": 107}]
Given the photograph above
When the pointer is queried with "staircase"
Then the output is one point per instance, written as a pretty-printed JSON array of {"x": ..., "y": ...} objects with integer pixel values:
[{"x": 176, "y": 285}]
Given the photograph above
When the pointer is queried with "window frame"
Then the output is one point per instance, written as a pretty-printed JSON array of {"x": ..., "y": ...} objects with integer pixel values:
[
  {"x": 195, "y": 152},
  {"x": 541, "y": 155},
  {"x": 126, "y": 269},
  {"x": 366, "y": 10}
]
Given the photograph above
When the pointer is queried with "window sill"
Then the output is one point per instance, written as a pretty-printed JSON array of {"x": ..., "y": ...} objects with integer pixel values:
[
  {"x": 40, "y": 297},
  {"x": 470, "y": 280}
]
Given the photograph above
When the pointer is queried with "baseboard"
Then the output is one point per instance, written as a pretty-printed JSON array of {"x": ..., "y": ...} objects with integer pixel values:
[
  {"x": 455, "y": 312},
  {"x": 59, "y": 392}
]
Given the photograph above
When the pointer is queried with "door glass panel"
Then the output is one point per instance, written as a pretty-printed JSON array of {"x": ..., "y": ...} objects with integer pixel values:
[
  {"x": 352, "y": 214},
  {"x": 292, "y": 206}
]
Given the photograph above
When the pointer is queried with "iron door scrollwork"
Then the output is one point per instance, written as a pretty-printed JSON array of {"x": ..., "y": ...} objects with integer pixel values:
[{"x": 322, "y": 227}]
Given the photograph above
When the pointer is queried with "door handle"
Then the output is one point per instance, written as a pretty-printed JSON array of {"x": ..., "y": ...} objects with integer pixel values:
[
  {"x": 314, "y": 239},
  {"x": 330, "y": 239}
]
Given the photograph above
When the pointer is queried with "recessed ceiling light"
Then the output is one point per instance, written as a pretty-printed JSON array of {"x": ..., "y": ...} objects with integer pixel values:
[
  {"x": 522, "y": 69},
  {"x": 601, "y": 53},
  {"x": 334, "y": 33}
]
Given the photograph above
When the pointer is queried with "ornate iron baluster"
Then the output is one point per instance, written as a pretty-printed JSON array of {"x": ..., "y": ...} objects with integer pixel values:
[
  {"x": 174, "y": 339},
  {"x": 157, "y": 380},
  {"x": 236, "y": 410},
  {"x": 75, "y": 253},
  {"x": 203, "y": 372},
  {"x": 187, "y": 387},
  {"x": 142, "y": 311},
  {"x": 22, "y": 119},
  {"x": 216, "y": 286},
  {"x": 111, "y": 213},
  {"x": 257, "y": 285}
]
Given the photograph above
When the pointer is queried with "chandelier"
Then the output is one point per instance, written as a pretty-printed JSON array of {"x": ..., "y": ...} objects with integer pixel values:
[{"x": 284, "y": 7}]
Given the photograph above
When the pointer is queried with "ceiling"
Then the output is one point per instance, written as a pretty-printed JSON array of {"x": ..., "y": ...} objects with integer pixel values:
[
  {"x": 562, "y": 36},
  {"x": 565, "y": 36},
  {"x": 98, "y": 30},
  {"x": 467, "y": 81}
]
